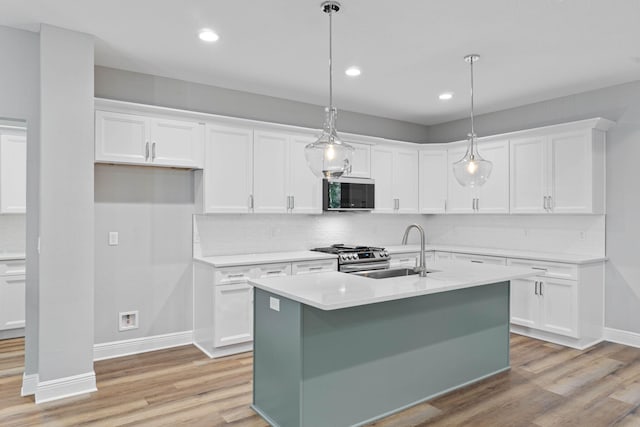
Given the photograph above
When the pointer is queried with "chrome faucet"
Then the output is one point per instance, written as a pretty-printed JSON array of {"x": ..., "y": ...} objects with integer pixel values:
[{"x": 422, "y": 268}]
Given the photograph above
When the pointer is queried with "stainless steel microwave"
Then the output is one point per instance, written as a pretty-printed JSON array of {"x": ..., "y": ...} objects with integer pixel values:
[{"x": 348, "y": 194}]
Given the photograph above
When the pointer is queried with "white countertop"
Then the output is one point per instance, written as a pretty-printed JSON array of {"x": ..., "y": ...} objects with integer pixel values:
[
  {"x": 334, "y": 290},
  {"x": 10, "y": 256},
  {"x": 506, "y": 253},
  {"x": 263, "y": 258}
]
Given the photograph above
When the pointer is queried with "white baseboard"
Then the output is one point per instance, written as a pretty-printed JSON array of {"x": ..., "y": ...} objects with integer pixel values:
[
  {"x": 29, "y": 384},
  {"x": 60, "y": 388},
  {"x": 631, "y": 339},
  {"x": 113, "y": 349}
]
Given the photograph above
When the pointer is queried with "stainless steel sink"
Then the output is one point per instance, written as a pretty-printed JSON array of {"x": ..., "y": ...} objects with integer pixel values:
[{"x": 385, "y": 274}]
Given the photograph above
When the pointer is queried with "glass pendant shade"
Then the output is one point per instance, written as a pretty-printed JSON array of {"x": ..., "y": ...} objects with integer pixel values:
[
  {"x": 329, "y": 157},
  {"x": 472, "y": 170}
]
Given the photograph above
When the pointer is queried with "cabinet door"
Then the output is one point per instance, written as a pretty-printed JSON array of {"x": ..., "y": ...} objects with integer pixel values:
[
  {"x": 228, "y": 173},
  {"x": 304, "y": 186},
  {"x": 12, "y": 302},
  {"x": 432, "y": 185},
  {"x": 405, "y": 181},
  {"x": 233, "y": 314},
  {"x": 525, "y": 309},
  {"x": 493, "y": 196},
  {"x": 459, "y": 198},
  {"x": 122, "y": 138},
  {"x": 361, "y": 164},
  {"x": 528, "y": 185},
  {"x": 176, "y": 143},
  {"x": 571, "y": 188},
  {"x": 382, "y": 173},
  {"x": 559, "y": 313},
  {"x": 270, "y": 172},
  {"x": 13, "y": 174}
]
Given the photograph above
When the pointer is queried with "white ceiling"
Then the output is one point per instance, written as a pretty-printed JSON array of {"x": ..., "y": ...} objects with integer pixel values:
[{"x": 409, "y": 50}]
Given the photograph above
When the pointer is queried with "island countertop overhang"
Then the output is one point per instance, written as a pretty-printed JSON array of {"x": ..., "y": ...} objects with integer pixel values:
[{"x": 336, "y": 290}]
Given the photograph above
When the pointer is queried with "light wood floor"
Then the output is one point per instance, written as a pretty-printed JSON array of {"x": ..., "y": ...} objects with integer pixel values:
[{"x": 548, "y": 385}]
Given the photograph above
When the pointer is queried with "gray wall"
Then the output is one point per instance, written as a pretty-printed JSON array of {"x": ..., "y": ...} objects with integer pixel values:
[
  {"x": 20, "y": 100},
  {"x": 621, "y": 104},
  {"x": 154, "y": 90},
  {"x": 66, "y": 204},
  {"x": 150, "y": 269}
]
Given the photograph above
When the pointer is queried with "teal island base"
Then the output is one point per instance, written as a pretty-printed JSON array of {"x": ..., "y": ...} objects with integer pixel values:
[{"x": 348, "y": 367}]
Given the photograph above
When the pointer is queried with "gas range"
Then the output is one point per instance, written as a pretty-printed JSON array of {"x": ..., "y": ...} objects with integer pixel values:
[{"x": 353, "y": 258}]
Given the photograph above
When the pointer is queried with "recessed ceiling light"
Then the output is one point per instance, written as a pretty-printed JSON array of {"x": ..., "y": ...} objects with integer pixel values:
[
  {"x": 445, "y": 96},
  {"x": 207, "y": 35},
  {"x": 353, "y": 71}
]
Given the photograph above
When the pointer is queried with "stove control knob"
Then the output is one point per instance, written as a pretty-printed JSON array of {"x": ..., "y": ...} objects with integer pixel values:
[
  {"x": 352, "y": 256},
  {"x": 343, "y": 257},
  {"x": 386, "y": 254}
]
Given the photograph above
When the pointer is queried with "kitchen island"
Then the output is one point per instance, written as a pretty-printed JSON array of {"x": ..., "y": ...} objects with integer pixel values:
[{"x": 336, "y": 349}]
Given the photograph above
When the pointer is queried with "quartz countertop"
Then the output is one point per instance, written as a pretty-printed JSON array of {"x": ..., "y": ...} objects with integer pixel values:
[
  {"x": 10, "y": 256},
  {"x": 506, "y": 253},
  {"x": 263, "y": 258},
  {"x": 335, "y": 290}
]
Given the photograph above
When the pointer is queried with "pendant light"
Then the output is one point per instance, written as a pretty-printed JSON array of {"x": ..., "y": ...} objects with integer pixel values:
[
  {"x": 472, "y": 170},
  {"x": 329, "y": 157}
]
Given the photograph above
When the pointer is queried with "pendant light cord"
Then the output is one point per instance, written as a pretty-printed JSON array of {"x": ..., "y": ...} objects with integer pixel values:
[
  {"x": 330, "y": 59},
  {"x": 473, "y": 132}
]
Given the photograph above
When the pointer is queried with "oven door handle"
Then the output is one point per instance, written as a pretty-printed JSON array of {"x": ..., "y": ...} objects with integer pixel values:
[{"x": 354, "y": 268}]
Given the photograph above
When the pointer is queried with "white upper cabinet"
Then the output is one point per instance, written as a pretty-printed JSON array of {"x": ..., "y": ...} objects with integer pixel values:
[
  {"x": 395, "y": 171},
  {"x": 493, "y": 196},
  {"x": 228, "y": 170},
  {"x": 176, "y": 143},
  {"x": 382, "y": 172},
  {"x": 141, "y": 140},
  {"x": 361, "y": 162},
  {"x": 432, "y": 185},
  {"x": 13, "y": 173},
  {"x": 259, "y": 171},
  {"x": 528, "y": 175},
  {"x": 270, "y": 172},
  {"x": 305, "y": 189},
  {"x": 561, "y": 171}
]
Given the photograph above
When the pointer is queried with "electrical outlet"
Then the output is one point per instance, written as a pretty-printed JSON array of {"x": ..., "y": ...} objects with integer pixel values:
[
  {"x": 583, "y": 235},
  {"x": 128, "y": 320},
  {"x": 274, "y": 303},
  {"x": 113, "y": 238}
]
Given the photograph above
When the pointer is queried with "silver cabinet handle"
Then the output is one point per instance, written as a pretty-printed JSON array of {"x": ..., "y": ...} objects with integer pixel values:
[
  {"x": 477, "y": 261},
  {"x": 274, "y": 272},
  {"x": 550, "y": 203},
  {"x": 445, "y": 205},
  {"x": 293, "y": 202},
  {"x": 146, "y": 151},
  {"x": 250, "y": 201},
  {"x": 153, "y": 150},
  {"x": 544, "y": 203},
  {"x": 541, "y": 293},
  {"x": 473, "y": 204},
  {"x": 235, "y": 275},
  {"x": 539, "y": 268},
  {"x": 536, "y": 287},
  {"x": 315, "y": 268},
  {"x": 288, "y": 202}
]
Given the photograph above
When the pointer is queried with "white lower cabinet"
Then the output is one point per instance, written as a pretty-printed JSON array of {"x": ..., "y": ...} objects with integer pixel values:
[
  {"x": 223, "y": 302},
  {"x": 479, "y": 259},
  {"x": 12, "y": 294},
  {"x": 566, "y": 310}
]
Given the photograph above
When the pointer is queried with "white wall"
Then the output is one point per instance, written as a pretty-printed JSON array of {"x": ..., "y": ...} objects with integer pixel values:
[
  {"x": 575, "y": 234},
  {"x": 619, "y": 103},
  {"x": 66, "y": 208},
  {"x": 255, "y": 233},
  {"x": 150, "y": 269}
]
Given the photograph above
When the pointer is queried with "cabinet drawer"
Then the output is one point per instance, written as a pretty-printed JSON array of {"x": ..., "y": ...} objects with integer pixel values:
[
  {"x": 404, "y": 260},
  {"x": 444, "y": 257},
  {"x": 12, "y": 268},
  {"x": 548, "y": 269},
  {"x": 308, "y": 267},
  {"x": 226, "y": 276},
  {"x": 273, "y": 270},
  {"x": 479, "y": 259}
]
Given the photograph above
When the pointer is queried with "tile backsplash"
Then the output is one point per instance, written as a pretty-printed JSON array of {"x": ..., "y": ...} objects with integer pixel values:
[{"x": 227, "y": 234}]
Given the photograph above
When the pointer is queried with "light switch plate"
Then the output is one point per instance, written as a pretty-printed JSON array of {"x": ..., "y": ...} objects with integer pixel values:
[
  {"x": 113, "y": 238},
  {"x": 274, "y": 303}
]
